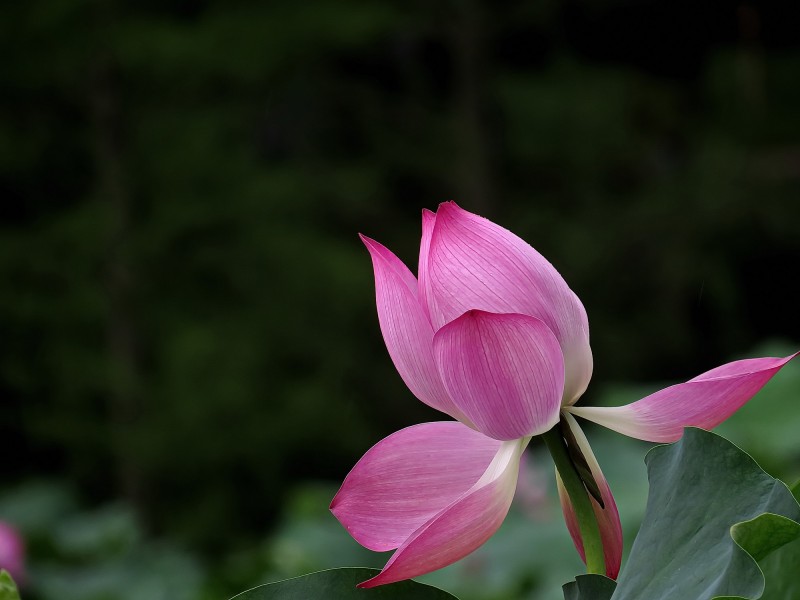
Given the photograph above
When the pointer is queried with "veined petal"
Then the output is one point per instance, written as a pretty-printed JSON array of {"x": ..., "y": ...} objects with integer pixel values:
[
  {"x": 406, "y": 329},
  {"x": 607, "y": 518},
  {"x": 705, "y": 402},
  {"x": 409, "y": 477},
  {"x": 461, "y": 527},
  {"x": 476, "y": 264},
  {"x": 428, "y": 222},
  {"x": 505, "y": 372}
]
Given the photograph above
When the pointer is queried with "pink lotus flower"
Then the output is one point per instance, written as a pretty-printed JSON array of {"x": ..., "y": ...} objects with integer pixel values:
[
  {"x": 12, "y": 552},
  {"x": 491, "y": 335}
]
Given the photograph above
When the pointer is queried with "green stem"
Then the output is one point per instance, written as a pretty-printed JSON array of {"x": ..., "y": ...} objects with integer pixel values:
[{"x": 579, "y": 497}]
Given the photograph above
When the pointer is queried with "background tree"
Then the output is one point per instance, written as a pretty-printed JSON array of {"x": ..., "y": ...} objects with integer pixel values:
[{"x": 186, "y": 312}]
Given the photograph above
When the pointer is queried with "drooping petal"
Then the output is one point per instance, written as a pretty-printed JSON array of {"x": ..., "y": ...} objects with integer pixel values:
[
  {"x": 607, "y": 518},
  {"x": 461, "y": 527},
  {"x": 505, "y": 372},
  {"x": 406, "y": 329},
  {"x": 409, "y": 477},
  {"x": 476, "y": 264},
  {"x": 705, "y": 402}
]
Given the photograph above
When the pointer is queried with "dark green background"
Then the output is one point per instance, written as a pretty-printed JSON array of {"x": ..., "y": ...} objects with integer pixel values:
[{"x": 186, "y": 313}]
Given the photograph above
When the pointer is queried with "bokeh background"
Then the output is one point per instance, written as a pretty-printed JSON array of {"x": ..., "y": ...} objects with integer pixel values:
[{"x": 190, "y": 358}]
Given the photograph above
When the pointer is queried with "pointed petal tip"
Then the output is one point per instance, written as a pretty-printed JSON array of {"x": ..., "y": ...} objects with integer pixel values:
[
  {"x": 368, "y": 241},
  {"x": 376, "y": 249},
  {"x": 406, "y": 328},
  {"x": 704, "y": 401},
  {"x": 786, "y": 359},
  {"x": 448, "y": 206},
  {"x": 338, "y": 509},
  {"x": 745, "y": 367},
  {"x": 369, "y": 583}
]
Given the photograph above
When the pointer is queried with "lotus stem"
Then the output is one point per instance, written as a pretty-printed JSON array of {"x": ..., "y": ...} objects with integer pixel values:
[{"x": 581, "y": 503}]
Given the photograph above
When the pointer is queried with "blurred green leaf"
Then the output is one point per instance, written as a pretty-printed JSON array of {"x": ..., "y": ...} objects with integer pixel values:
[
  {"x": 8, "y": 589},
  {"x": 340, "y": 584},
  {"x": 97, "y": 554}
]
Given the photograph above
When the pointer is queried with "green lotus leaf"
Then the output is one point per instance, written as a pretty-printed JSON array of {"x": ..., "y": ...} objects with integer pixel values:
[
  {"x": 774, "y": 541},
  {"x": 589, "y": 587},
  {"x": 717, "y": 527},
  {"x": 712, "y": 515}
]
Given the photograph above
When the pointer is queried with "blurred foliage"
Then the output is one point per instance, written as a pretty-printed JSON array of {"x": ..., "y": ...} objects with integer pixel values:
[
  {"x": 8, "y": 589},
  {"x": 186, "y": 314},
  {"x": 97, "y": 554},
  {"x": 532, "y": 554},
  {"x": 103, "y": 553}
]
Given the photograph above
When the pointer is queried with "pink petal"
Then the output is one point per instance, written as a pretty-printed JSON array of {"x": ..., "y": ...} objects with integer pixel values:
[
  {"x": 505, "y": 372},
  {"x": 461, "y": 527},
  {"x": 705, "y": 401},
  {"x": 12, "y": 552},
  {"x": 476, "y": 264},
  {"x": 428, "y": 222},
  {"x": 406, "y": 329},
  {"x": 407, "y": 478},
  {"x": 607, "y": 518}
]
